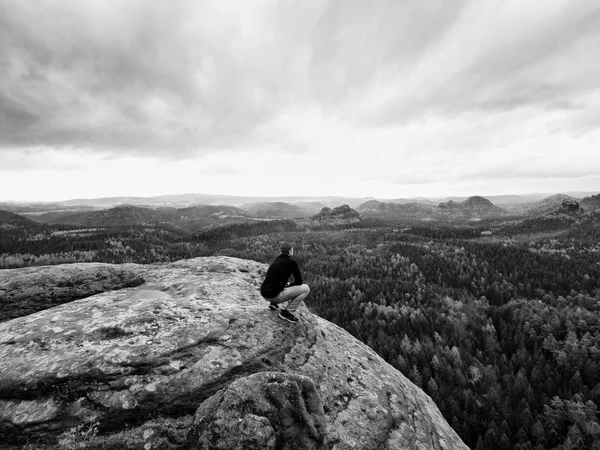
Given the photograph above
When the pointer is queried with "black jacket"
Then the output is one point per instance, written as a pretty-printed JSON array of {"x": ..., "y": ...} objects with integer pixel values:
[{"x": 278, "y": 275}]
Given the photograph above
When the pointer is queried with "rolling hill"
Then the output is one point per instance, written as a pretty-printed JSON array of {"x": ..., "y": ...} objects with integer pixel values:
[
  {"x": 591, "y": 203},
  {"x": 12, "y": 219},
  {"x": 472, "y": 207},
  {"x": 391, "y": 210},
  {"x": 137, "y": 215}
]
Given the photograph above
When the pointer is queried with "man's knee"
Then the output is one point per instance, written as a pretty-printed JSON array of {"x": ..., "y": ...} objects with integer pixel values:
[{"x": 306, "y": 288}]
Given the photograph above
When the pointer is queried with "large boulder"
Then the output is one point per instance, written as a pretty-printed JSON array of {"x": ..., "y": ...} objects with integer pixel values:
[
  {"x": 263, "y": 411},
  {"x": 160, "y": 365}
]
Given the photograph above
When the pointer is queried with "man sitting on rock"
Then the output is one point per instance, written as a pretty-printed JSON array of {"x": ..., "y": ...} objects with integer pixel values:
[{"x": 277, "y": 289}]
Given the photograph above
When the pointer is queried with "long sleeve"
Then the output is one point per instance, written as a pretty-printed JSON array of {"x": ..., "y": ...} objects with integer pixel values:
[{"x": 296, "y": 273}]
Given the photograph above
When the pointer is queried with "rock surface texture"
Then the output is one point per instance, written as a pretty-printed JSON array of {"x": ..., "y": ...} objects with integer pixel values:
[
  {"x": 193, "y": 358},
  {"x": 28, "y": 290}
]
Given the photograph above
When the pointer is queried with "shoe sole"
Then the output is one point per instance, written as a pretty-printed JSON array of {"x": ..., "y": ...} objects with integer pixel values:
[
  {"x": 289, "y": 320},
  {"x": 273, "y": 308}
]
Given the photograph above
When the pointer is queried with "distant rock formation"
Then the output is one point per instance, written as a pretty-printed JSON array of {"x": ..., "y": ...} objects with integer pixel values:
[
  {"x": 570, "y": 206},
  {"x": 472, "y": 207},
  {"x": 569, "y": 212},
  {"x": 193, "y": 357},
  {"x": 339, "y": 214},
  {"x": 548, "y": 204}
]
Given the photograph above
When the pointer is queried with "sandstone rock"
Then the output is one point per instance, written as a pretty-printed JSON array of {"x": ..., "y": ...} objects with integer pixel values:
[
  {"x": 31, "y": 289},
  {"x": 268, "y": 410},
  {"x": 337, "y": 215},
  {"x": 140, "y": 361},
  {"x": 570, "y": 206}
]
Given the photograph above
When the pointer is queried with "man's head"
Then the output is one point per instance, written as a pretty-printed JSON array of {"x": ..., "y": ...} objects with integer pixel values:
[{"x": 286, "y": 248}]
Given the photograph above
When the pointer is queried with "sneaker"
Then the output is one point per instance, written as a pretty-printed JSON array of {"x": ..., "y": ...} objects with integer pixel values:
[
  {"x": 286, "y": 315},
  {"x": 273, "y": 306}
]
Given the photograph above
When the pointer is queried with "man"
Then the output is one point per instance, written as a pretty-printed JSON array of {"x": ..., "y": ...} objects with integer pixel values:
[{"x": 276, "y": 289}]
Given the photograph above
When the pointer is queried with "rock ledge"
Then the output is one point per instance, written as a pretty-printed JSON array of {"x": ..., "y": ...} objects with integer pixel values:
[{"x": 195, "y": 338}]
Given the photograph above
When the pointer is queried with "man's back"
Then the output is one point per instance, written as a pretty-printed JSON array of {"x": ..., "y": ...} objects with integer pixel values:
[{"x": 278, "y": 275}]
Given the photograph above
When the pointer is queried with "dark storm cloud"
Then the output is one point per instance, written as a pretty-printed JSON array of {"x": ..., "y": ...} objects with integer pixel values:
[
  {"x": 176, "y": 77},
  {"x": 140, "y": 76}
]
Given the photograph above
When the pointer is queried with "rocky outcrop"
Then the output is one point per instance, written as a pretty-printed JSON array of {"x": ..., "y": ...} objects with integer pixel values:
[
  {"x": 547, "y": 204},
  {"x": 570, "y": 206},
  {"x": 569, "y": 213},
  {"x": 339, "y": 214},
  {"x": 472, "y": 207},
  {"x": 193, "y": 354}
]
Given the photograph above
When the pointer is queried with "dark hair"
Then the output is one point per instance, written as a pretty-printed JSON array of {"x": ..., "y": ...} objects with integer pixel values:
[{"x": 285, "y": 247}]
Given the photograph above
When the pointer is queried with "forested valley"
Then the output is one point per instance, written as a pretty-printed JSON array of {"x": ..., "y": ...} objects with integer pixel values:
[{"x": 499, "y": 325}]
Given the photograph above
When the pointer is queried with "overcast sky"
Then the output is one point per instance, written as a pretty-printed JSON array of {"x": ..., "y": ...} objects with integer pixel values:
[{"x": 359, "y": 98}]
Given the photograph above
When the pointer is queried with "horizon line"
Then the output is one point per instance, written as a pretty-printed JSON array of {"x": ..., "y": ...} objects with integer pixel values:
[{"x": 315, "y": 197}]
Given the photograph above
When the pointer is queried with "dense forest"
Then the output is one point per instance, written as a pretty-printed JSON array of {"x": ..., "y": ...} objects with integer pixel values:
[{"x": 499, "y": 323}]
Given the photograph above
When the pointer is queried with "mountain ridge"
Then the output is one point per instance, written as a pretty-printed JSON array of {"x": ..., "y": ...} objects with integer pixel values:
[
  {"x": 189, "y": 199},
  {"x": 471, "y": 208}
]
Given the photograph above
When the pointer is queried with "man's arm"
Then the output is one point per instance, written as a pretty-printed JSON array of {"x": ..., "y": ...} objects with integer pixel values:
[{"x": 296, "y": 273}]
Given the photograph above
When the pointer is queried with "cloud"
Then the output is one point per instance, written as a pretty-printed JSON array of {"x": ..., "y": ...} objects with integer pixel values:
[
  {"x": 143, "y": 76},
  {"x": 391, "y": 93},
  {"x": 146, "y": 76},
  {"x": 496, "y": 56}
]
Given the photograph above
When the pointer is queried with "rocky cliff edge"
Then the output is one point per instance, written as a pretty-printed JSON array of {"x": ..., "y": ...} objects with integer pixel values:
[{"x": 193, "y": 358}]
